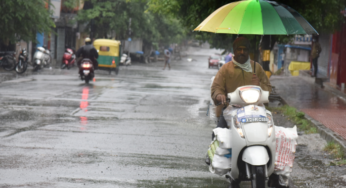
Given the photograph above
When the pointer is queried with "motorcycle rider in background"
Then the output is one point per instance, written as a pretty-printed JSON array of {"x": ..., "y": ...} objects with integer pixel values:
[{"x": 87, "y": 51}]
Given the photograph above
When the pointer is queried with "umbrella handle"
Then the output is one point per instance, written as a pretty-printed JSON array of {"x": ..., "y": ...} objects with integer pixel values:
[{"x": 254, "y": 65}]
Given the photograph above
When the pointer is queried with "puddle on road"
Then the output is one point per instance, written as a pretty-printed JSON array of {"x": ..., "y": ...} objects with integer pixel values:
[
  {"x": 168, "y": 182},
  {"x": 19, "y": 115},
  {"x": 148, "y": 166},
  {"x": 184, "y": 182},
  {"x": 160, "y": 86}
]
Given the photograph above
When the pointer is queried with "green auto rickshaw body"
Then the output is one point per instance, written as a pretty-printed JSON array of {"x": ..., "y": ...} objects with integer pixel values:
[{"x": 109, "y": 54}]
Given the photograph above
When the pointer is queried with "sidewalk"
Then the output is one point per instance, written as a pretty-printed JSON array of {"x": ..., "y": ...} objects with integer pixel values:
[{"x": 325, "y": 107}]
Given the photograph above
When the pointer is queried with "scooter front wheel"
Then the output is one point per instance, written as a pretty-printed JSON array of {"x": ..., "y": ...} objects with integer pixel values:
[
  {"x": 258, "y": 179},
  {"x": 21, "y": 66}
]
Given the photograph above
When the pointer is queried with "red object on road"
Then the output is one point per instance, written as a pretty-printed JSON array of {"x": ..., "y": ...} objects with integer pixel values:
[
  {"x": 68, "y": 59},
  {"x": 213, "y": 61}
]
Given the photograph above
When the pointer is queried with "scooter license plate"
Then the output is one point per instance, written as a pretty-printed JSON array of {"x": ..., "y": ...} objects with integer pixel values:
[
  {"x": 251, "y": 113},
  {"x": 86, "y": 72}
]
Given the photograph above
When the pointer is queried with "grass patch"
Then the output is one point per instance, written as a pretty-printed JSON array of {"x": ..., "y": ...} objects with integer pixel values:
[
  {"x": 336, "y": 151},
  {"x": 296, "y": 117},
  {"x": 341, "y": 162}
]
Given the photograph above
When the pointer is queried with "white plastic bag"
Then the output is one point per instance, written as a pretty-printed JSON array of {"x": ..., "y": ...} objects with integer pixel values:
[
  {"x": 286, "y": 142},
  {"x": 223, "y": 135},
  {"x": 221, "y": 162},
  {"x": 221, "y": 151}
]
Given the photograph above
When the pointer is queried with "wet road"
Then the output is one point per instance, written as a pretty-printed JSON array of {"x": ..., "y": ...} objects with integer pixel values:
[{"x": 142, "y": 128}]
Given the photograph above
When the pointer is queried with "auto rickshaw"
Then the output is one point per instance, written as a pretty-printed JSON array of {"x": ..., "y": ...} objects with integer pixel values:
[{"x": 109, "y": 54}]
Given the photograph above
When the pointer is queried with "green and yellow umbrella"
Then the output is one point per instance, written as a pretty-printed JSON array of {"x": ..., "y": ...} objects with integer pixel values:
[{"x": 257, "y": 17}]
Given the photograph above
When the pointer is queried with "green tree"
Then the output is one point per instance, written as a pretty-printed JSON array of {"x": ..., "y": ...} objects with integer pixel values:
[
  {"x": 106, "y": 16},
  {"x": 323, "y": 15},
  {"x": 114, "y": 15},
  {"x": 21, "y": 19}
]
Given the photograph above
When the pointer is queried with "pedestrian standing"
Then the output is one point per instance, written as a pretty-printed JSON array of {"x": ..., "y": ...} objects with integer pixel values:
[
  {"x": 167, "y": 54},
  {"x": 283, "y": 60},
  {"x": 315, "y": 54}
]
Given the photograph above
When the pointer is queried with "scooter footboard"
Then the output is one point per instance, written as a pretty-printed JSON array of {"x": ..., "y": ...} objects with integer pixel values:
[{"x": 256, "y": 155}]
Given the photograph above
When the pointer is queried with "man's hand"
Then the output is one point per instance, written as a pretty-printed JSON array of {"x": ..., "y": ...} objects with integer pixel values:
[
  {"x": 255, "y": 80},
  {"x": 221, "y": 98}
]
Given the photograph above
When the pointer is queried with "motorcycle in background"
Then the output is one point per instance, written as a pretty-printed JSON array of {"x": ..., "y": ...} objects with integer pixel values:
[
  {"x": 42, "y": 58},
  {"x": 86, "y": 70},
  {"x": 7, "y": 61},
  {"x": 125, "y": 60},
  {"x": 22, "y": 63},
  {"x": 68, "y": 59}
]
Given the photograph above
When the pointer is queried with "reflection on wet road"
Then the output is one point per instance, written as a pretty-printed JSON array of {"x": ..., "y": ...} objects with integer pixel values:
[
  {"x": 84, "y": 107},
  {"x": 304, "y": 95},
  {"x": 142, "y": 128}
]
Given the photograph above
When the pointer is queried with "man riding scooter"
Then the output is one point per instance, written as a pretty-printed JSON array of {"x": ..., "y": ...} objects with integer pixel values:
[
  {"x": 87, "y": 51},
  {"x": 240, "y": 71}
]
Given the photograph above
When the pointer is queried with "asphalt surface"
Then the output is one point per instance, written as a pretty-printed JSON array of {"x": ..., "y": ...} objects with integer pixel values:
[{"x": 145, "y": 127}]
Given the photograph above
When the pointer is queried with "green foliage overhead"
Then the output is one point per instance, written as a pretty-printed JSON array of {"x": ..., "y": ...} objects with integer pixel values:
[
  {"x": 323, "y": 15},
  {"x": 21, "y": 19},
  {"x": 114, "y": 15}
]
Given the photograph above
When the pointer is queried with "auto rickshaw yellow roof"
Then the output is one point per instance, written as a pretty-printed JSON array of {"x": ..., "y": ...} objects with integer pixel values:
[{"x": 108, "y": 42}]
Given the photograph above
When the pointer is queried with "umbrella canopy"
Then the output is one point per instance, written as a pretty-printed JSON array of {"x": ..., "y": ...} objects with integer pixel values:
[{"x": 258, "y": 17}]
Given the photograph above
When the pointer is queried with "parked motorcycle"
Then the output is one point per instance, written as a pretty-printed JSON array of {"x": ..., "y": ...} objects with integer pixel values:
[
  {"x": 68, "y": 59},
  {"x": 252, "y": 135},
  {"x": 7, "y": 61},
  {"x": 42, "y": 58},
  {"x": 22, "y": 63},
  {"x": 125, "y": 60},
  {"x": 86, "y": 70}
]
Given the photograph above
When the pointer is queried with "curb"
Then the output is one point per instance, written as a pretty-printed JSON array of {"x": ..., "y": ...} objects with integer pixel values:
[{"x": 327, "y": 134}]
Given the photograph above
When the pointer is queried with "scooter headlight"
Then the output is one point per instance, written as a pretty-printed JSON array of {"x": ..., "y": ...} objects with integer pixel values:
[
  {"x": 270, "y": 124},
  {"x": 250, "y": 94},
  {"x": 238, "y": 126}
]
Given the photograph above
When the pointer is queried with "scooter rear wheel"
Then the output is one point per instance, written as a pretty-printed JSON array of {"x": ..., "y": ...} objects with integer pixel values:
[
  {"x": 9, "y": 63},
  {"x": 21, "y": 66},
  {"x": 258, "y": 179}
]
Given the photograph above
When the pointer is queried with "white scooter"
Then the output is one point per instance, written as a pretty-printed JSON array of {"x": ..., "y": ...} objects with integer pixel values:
[
  {"x": 42, "y": 58},
  {"x": 125, "y": 60},
  {"x": 253, "y": 136}
]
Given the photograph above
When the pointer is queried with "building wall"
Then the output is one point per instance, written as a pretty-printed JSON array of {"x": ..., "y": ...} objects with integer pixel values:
[
  {"x": 341, "y": 78},
  {"x": 337, "y": 62},
  {"x": 60, "y": 44}
]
